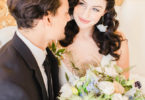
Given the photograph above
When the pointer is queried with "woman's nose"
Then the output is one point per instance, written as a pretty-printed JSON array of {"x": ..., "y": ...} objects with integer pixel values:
[{"x": 86, "y": 13}]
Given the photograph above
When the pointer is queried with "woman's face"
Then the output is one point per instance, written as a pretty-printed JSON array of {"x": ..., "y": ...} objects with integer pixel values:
[{"x": 88, "y": 12}]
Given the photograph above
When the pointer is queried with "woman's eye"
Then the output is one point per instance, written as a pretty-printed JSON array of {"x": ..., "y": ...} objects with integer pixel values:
[
  {"x": 81, "y": 3},
  {"x": 95, "y": 9}
]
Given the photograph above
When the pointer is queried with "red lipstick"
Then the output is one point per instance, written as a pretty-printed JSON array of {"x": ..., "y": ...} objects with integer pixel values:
[{"x": 84, "y": 21}]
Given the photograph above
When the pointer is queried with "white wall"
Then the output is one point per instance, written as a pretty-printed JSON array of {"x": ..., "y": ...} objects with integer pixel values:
[{"x": 132, "y": 24}]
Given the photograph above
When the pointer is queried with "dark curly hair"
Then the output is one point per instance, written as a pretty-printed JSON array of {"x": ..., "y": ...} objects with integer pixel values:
[{"x": 108, "y": 42}]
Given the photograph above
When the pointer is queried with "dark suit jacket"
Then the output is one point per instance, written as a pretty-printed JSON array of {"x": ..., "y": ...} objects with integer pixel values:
[{"x": 20, "y": 77}]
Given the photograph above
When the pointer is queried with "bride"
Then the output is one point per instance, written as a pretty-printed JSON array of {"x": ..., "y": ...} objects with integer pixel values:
[{"x": 92, "y": 38}]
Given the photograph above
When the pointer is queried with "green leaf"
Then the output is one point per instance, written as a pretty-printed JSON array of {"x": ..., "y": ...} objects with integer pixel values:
[
  {"x": 117, "y": 78},
  {"x": 107, "y": 97},
  {"x": 130, "y": 82},
  {"x": 118, "y": 69},
  {"x": 59, "y": 52},
  {"x": 90, "y": 96},
  {"x": 123, "y": 82},
  {"x": 127, "y": 88},
  {"x": 140, "y": 98},
  {"x": 74, "y": 67},
  {"x": 85, "y": 85},
  {"x": 80, "y": 89},
  {"x": 53, "y": 47},
  {"x": 66, "y": 76}
]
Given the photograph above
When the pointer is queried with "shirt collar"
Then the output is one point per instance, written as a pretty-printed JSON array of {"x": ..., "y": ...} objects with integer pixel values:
[{"x": 38, "y": 53}]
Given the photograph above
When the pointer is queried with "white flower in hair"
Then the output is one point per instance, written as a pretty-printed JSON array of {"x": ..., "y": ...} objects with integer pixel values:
[{"x": 102, "y": 28}]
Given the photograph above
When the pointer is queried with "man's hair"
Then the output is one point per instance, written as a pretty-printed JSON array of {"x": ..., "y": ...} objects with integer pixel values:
[{"x": 26, "y": 11}]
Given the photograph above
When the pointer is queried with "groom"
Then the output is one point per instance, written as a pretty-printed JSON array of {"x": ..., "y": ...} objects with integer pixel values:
[{"x": 23, "y": 73}]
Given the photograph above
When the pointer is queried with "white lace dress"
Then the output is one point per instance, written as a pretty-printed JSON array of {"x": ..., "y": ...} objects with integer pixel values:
[{"x": 63, "y": 70}]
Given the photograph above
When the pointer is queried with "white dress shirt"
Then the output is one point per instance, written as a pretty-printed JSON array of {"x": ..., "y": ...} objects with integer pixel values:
[{"x": 38, "y": 54}]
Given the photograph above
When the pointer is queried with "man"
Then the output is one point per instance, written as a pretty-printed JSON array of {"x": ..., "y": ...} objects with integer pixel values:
[{"x": 23, "y": 75}]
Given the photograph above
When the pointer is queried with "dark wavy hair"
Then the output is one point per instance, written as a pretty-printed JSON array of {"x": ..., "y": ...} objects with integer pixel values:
[
  {"x": 108, "y": 42},
  {"x": 26, "y": 11}
]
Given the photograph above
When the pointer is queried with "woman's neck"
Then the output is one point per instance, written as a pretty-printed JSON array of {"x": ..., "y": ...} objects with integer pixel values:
[{"x": 85, "y": 33}]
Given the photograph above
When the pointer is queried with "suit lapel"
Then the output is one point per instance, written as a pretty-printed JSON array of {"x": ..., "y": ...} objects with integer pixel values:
[{"x": 26, "y": 54}]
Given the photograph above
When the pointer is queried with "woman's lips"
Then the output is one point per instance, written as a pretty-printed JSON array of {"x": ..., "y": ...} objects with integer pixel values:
[{"x": 84, "y": 21}]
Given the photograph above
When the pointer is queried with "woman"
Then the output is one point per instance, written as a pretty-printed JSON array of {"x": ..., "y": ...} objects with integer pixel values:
[{"x": 92, "y": 38}]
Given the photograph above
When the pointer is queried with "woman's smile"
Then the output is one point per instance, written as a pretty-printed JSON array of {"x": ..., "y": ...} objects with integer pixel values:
[{"x": 84, "y": 20}]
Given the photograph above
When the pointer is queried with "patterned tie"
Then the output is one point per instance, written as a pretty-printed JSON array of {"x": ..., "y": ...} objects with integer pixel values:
[{"x": 47, "y": 68}]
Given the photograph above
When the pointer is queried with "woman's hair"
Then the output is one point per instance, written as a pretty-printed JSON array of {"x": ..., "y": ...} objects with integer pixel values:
[
  {"x": 26, "y": 11},
  {"x": 108, "y": 42}
]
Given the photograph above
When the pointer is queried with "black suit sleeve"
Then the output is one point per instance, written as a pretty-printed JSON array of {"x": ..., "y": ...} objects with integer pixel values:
[{"x": 11, "y": 91}]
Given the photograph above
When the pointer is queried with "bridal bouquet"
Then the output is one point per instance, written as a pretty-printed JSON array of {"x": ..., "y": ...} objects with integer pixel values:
[{"x": 102, "y": 83}]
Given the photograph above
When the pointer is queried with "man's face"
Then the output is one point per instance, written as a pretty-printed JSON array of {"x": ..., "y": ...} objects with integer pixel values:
[{"x": 59, "y": 21}]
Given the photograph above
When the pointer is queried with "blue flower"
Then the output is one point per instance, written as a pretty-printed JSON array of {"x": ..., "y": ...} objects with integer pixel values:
[
  {"x": 97, "y": 90},
  {"x": 90, "y": 87},
  {"x": 130, "y": 97}
]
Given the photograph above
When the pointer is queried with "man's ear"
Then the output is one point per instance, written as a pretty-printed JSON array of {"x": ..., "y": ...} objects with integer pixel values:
[{"x": 47, "y": 19}]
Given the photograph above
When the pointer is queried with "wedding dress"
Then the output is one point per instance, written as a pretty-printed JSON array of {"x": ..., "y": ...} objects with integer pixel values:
[{"x": 63, "y": 70}]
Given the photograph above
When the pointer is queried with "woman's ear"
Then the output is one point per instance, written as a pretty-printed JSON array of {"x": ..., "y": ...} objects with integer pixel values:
[{"x": 104, "y": 12}]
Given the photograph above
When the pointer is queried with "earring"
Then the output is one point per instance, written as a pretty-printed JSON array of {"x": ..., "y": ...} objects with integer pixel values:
[{"x": 101, "y": 27}]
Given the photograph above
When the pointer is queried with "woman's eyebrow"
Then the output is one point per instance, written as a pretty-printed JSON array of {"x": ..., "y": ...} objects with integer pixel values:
[{"x": 98, "y": 6}]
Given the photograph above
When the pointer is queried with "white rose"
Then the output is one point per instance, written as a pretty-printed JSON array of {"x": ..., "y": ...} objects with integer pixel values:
[
  {"x": 91, "y": 75},
  {"x": 125, "y": 98},
  {"x": 66, "y": 90},
  {"x": 106, "y": 87},
  {"x": 99, "y": 69},
  {"x": 111, "y": 71},
  {"x": 117, "y": 96}
]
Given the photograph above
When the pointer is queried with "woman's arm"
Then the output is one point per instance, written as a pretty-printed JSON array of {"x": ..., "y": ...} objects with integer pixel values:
[{"x": 123, "y": 62}]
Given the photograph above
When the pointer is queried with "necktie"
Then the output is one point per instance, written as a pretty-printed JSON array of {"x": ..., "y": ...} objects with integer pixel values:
[{"x": 47, "y": 68}]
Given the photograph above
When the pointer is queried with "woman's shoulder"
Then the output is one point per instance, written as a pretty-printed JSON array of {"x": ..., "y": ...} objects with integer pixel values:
[{"x": 120, "y": 33}]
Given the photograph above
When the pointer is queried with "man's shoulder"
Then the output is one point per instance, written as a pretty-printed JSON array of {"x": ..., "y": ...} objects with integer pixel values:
[
  {"x": 7, "y": 51},
  {"x": 9, "y": 57}
]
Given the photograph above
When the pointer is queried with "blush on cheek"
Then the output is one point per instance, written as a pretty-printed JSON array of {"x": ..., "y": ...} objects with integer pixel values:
[{"x": 96, "y": 19}]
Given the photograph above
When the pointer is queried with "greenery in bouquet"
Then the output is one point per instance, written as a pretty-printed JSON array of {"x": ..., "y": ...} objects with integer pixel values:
[
  {"x": 99, "y": 83},
  {"x": 57, "y": 51},
  {"x": 102, "y": 83}
]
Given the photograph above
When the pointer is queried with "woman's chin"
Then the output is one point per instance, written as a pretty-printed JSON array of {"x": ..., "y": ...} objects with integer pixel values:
[{"x": 83, "y": 26}]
